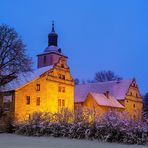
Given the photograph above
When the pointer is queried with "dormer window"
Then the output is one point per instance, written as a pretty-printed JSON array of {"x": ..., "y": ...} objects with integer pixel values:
[{"x": 106, "y": 94}]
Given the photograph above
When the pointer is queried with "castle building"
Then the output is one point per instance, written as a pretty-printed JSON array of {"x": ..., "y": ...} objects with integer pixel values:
[
  {"x": 50, "y": 88},
  {"x": 120, "y": 95}
]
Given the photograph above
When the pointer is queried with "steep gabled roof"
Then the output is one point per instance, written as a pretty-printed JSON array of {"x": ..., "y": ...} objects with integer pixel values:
[
  {"x": 117, "y": 89},
  {"x": 102, "y": 100},
  {"x": 25, "y": 78}
]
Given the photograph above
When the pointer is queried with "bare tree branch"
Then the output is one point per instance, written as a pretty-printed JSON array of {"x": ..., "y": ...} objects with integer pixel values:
[
  {"x": 13, "y": 58},
  {"x": 104, "y": 76}
]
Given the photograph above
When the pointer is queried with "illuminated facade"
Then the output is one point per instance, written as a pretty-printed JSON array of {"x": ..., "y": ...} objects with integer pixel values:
[
  {"x": 50, "y": 88},
  {"x": 121, "y": 95}
]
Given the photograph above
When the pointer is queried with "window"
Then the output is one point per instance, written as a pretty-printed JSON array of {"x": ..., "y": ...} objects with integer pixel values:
[
  {"x": 63, "y": 89},
  {"x": 136, "y": 95},
  {"x": 134, "y": 85},
  {"x": 44, "y": 60},
  {"x": 7, "y": 100},
  {"x": 61, "y": 102},
  {"x": 131, "y": 93},
  {"x": 38, "y": 87},
  {"x": 28, "y": 116},
  {"x": 63, "y": 77},
  {"x": 60, "y": 76},
  {"x": 134, "y": 105},
  {"x": 59, "y": 89},
  {"x": 62, "y": 65},
  {"x": 27, "y": 100},
  {"x": 38, "y": 101}
]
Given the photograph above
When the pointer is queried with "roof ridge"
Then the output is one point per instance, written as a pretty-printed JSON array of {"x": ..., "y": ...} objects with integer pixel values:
[{"x": 105, "y": 82}]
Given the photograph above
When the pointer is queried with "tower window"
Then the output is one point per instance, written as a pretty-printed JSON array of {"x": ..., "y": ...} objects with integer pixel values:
[
  {"x": 38, "y": 101},
  {"x": 38, "y": 87},
  {"x": 27, "y": 100},
  {"x": 134, "y": 105},
  {"x": 44, "y": 60}
]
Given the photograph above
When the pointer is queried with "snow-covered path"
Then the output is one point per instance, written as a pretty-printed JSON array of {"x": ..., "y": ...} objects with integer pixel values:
[{"x": 16, "y": 141}]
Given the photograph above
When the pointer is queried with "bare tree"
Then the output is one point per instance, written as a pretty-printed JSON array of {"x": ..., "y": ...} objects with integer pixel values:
[
  {"x": 104, "y": 76},
  {"x": 13, "y": 57}
]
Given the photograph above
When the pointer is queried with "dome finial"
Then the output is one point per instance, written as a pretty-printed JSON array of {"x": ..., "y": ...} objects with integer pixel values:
[{"x": 53, "y": 26}]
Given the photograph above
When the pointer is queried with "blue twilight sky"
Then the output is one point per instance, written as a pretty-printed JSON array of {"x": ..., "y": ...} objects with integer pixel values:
[{"x": 95, "y": 34}]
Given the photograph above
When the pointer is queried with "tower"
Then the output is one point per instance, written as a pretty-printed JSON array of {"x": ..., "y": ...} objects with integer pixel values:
[{"x": 52, "y": 53}]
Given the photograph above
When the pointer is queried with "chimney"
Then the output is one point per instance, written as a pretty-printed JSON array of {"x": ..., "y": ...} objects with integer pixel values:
[{"x": 107, "y": 94}]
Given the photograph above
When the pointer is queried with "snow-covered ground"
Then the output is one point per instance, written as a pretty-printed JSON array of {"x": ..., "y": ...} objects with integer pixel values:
[{"x": 16, "y": 141}]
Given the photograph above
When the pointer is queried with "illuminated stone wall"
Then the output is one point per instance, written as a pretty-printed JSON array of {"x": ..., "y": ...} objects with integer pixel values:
[
  {"x": 99, "y": 110},
  {"x": 133, "y": 101},
  {"x": 56, "y": 84}
]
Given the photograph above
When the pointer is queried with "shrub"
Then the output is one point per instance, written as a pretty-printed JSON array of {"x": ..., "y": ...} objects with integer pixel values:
[{"x": 111, "y": 127}]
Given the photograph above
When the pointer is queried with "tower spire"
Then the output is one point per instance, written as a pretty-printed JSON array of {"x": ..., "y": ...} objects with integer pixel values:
[
  {"x": 52, "y": 37},
  {"x": 53, "y": 27}
]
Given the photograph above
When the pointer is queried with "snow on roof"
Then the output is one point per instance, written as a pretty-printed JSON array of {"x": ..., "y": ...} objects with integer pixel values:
[
  {"x": 51, "y": 48},
  {"x": 24, "y": 78},
  {"x": 117, "y": 89},
  {"x": 102, "y": 100}
]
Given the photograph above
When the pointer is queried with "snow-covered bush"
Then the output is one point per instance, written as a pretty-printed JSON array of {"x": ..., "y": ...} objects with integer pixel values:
[{"x": 111, "y": 127}]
